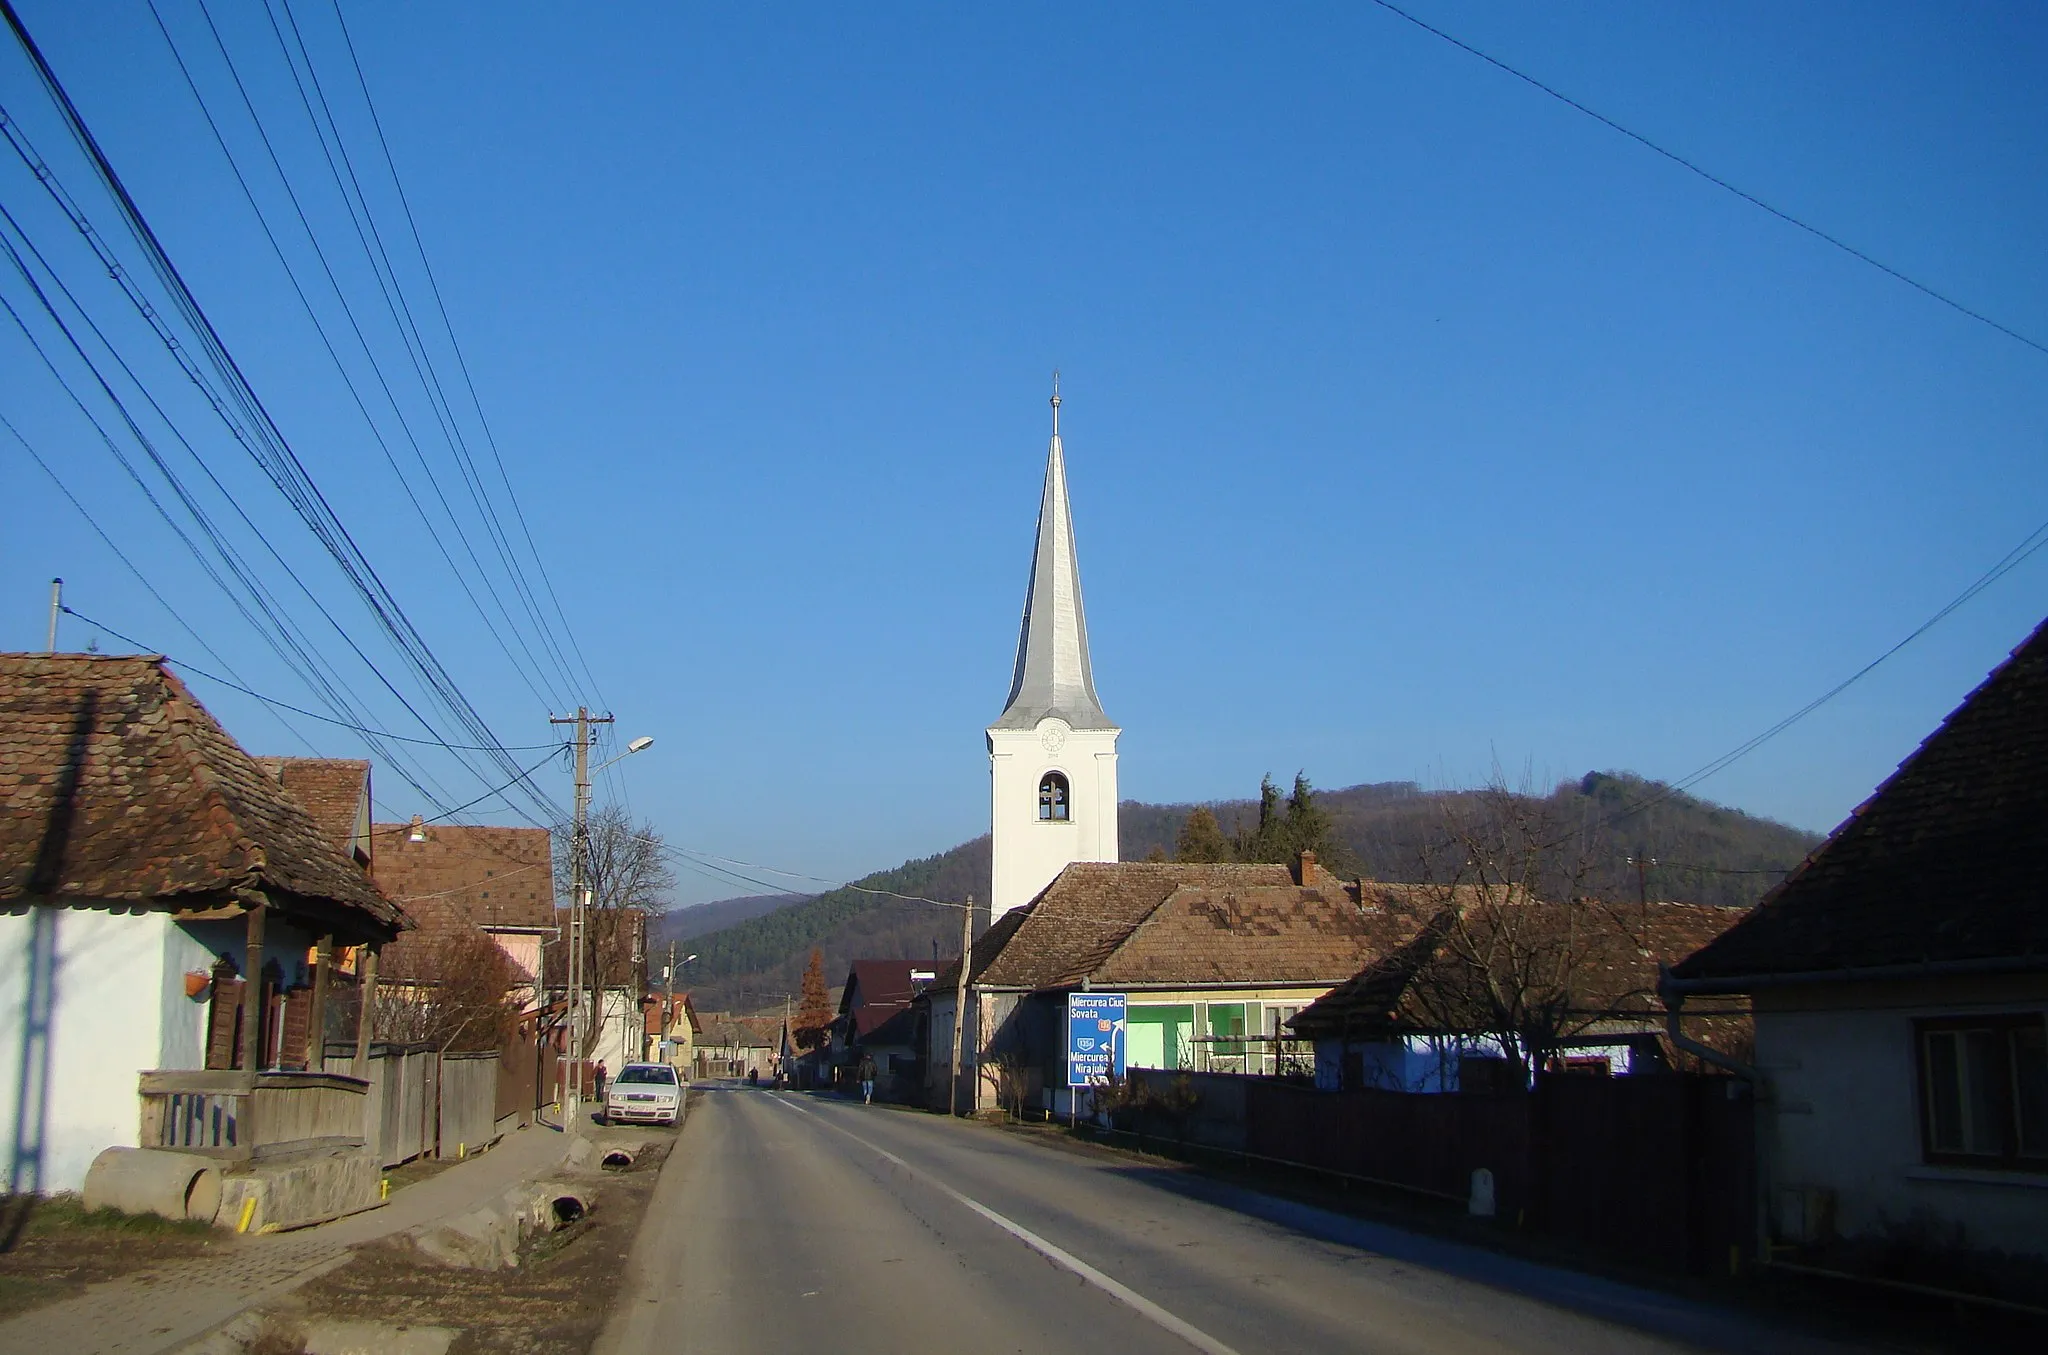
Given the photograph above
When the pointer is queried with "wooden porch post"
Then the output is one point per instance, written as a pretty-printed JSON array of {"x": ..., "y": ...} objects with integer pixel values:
[
  {"x": 316, "y": 1035},
  {"x": 364, "y": 1011},
  {"x": 253, "y": 1013}
]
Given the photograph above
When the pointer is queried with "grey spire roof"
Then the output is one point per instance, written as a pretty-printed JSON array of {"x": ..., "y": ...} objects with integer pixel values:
[{"x": 1053, "y": 676}]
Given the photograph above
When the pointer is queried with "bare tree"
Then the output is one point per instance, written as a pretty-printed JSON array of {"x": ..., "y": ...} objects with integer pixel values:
[
  {"x": 1513, "y": 946},
  {"x": 453, "y": 990},
  {"x": 629, "y": 881}
]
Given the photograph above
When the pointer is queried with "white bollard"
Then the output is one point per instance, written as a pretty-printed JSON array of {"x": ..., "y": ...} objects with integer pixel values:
[{"x": 1481, "y": 1204}]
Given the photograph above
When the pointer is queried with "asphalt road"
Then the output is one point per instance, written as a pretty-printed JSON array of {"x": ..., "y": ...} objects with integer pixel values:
[{"x": 788, "y": 1222}]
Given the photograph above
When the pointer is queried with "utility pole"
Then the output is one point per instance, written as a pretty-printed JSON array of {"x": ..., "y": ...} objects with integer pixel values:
[
  {"x": 668, "y": 1007},
  {"x": 960, "y": 1001},
  {"x": 1642, "y": 862},
  {"x": 579, "y": 891},
  {"x": 56, "y": 606}
]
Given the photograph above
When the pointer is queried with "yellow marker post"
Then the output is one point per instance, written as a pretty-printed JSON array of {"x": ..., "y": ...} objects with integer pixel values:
[
  {"x": 248, "y": 1212},
  {"x": 383, "y": 1187}
]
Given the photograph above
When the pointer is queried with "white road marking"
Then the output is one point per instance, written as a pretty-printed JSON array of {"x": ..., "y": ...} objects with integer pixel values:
[{"x": 1122, "y": 1293}]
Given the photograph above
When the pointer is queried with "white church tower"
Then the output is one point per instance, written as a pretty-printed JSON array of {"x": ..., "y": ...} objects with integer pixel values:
[{"x": 1052, "y": 752}]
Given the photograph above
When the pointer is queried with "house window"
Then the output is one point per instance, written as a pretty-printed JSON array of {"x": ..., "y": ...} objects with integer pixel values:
[
  {"x": 1984, "y": 1091},
  {"x": 1053, "y": 798}
]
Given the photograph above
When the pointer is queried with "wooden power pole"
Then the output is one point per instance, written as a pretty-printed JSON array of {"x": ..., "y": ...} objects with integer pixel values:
[{"x": 960, "y": 1002}]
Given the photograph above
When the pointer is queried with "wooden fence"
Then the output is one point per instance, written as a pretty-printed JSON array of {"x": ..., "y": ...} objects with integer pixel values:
[
  {"x": 202, "y": 1111},
  {"x": 1661, "y": 1168}
]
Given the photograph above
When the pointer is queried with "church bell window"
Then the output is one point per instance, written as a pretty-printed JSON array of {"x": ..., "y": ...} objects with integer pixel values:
[{"x": 1052, "y": 798}]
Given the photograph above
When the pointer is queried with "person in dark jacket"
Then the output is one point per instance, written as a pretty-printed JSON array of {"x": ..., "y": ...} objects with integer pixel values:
[{"x": 867, "y": 1078}]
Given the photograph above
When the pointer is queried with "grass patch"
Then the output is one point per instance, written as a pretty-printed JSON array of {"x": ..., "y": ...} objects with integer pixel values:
[
  {"x": 44, "y": 1216},
  {"x": 418, "y": 1170},
  {"x": 19, "y": 1293}
]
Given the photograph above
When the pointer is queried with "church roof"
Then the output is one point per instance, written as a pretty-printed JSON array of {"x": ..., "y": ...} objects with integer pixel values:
[{"x": 1053, "y": 676}]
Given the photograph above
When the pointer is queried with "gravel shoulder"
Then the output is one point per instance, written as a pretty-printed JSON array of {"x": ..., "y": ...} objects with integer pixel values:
[{"x": 553, "y": 1303}]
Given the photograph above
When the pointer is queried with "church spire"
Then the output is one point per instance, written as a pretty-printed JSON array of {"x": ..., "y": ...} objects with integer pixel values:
[{"x": 1053, "y": 676}]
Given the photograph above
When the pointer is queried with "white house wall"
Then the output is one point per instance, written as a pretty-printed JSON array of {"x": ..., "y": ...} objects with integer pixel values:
[
  {"x": 112, "y": 1010},
  {"x": 1845, "y": 1112}
]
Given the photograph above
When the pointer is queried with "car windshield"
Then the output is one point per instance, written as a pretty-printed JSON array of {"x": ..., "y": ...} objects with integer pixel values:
[{"x": 665, "y": 1076}]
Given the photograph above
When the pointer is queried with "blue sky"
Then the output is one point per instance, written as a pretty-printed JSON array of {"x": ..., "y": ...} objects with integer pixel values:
[{"x": 1416, "y": 423}]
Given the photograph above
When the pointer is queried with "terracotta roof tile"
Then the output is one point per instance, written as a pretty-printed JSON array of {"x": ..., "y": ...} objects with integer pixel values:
[
  {"x": 117, "y": 784},
  {"x": 1943, "y": 863},
  {"x": 1420, "y": 984},
  {"x": 335, "y": 791},
  {"x": 1161, "y": 924}
]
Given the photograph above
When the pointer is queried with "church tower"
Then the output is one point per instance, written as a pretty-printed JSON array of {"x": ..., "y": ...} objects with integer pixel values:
[{"x": 1052, "y": 752}]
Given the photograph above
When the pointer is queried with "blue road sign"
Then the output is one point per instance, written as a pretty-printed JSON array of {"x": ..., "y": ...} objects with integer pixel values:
[{"x": 1095, "y": 1037}]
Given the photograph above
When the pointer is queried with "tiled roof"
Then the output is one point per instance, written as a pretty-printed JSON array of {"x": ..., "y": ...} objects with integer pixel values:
[
  {"x": 335, "y": 791},
  {"x": 115, "y": 783},
  {"x": 1261, "y": 934},
  {"x": 745, "y": 1032},
  {"x": 1147, "y": 923},
  {"x": 1086, "y": 913},
  {"x": 877, "y": 990},
  {"x": 463, "y": 875},
  {"x": 1601, "y": 959},
  {"x": 1944, "y": 863}
]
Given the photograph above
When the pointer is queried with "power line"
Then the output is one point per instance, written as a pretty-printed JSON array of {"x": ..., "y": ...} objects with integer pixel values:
[
  {"x": 462, "y": 363},
  {"x": 245, "y": 690},
  {"x": 1713, "y": 178},
  {"x": 269, "y": 447},
  {"x": 480, "y": 494},
  {"x": 132, "y": 568},
  {"x": 361, "y": 337},
  {"x": 2013, "y": 559},
  {"x": 287, "y": 641}
]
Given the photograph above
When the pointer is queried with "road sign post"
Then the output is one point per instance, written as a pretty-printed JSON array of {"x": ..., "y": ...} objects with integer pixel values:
[{"x": 1095, "y": 1041}]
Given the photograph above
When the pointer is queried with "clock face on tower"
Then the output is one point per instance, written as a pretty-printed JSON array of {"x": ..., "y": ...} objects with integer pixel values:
[{"x": 1052, "y": 735}]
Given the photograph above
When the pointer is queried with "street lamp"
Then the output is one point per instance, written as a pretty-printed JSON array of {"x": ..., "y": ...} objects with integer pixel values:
[
  {"x": 579, "y": 902},
  {"x": 668, "y": 1006}
]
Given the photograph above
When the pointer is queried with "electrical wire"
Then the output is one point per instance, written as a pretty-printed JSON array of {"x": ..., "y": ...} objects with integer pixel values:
[
  {"x": 245, "y": 690},
  {"x": 265, "y": 440},
  {"x": 437, "y": 391},
  {"x": 1713, "y": 178},
  {"x": 2013, "y": 559},
  {"x": 462, "y": 363},
  {"x": 355, "y": 325}
]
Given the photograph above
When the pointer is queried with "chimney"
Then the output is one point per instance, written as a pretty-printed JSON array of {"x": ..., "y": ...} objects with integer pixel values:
[
  {"x": 419, "y": 830},
  {"x": 1305, "y": 871}
]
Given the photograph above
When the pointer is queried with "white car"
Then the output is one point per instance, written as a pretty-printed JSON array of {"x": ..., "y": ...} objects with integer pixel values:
[{"x": 649, "y": 1093}]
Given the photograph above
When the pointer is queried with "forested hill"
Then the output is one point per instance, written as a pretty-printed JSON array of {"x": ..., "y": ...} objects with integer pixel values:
[
  {"x": 686, "y": 924},
  {"x": 752, "y": 964},
  {"x": 1706, "y": 853}
]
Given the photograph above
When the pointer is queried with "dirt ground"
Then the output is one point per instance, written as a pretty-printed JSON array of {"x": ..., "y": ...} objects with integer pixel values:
[
  {"x": 553, "y": 1303},
  {"x": 52, "y": 1248}
]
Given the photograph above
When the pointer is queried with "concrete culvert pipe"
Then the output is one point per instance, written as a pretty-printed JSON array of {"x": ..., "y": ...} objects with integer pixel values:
[
  {"x": 152, "y": 1181},
  {"x": 568, "y": 1209},
  {"x": 620, "y": 1158}
]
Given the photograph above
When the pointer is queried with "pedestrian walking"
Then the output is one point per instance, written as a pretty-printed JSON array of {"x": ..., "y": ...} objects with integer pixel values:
[
  {"x": 867, "y": 1078},
  {"x": 600, "y": 1075}
]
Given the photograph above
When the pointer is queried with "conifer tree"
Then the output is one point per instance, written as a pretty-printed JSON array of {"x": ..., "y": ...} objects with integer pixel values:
[
  {"x": 1201, "y": 838},
  {"x": 814, "y": 1009}
]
